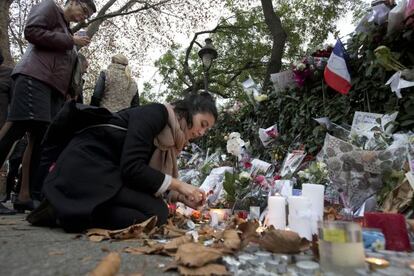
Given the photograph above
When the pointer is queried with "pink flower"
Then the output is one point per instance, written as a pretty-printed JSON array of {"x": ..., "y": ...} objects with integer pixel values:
[
  {"x": 272, "y": 132},
  {"x": 247, "y": 165},
  {"x": 277, "y": 177},
  {"x": 259, "y": 179}
]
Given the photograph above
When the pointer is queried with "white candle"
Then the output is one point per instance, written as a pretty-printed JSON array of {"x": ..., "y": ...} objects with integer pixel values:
[
  {"x": 300, "y": 216},
  {"x": 277, "y": 212},
  {"x": 315, "y": 193}
]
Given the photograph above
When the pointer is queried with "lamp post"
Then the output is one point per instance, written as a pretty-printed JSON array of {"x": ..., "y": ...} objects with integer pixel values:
[{"x": 207, "y": 55}]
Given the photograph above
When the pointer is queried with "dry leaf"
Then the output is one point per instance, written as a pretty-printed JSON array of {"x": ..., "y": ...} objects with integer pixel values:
[
  {"x": 280, "y": 241},
  {"x": 175, "y": 243},
  {"x": 109, "y": 266},
  {"x": 97, "y": 238},
  {"x": 134, "y": 231},
  {"x": 170, "y": 231},
  {"x": 56, "y": 253},
  {"x": 8, "y": 222},
  {"x": 249, "y": 233},
  {"x": 97, "y": 234},
  {"x": 86, "y": 259},
  {"x": 196, "y": 255},
  {"x": 145, "y": 249},
  {"x": 210, "y": 269},
  {"x": 231, "y": 240}
]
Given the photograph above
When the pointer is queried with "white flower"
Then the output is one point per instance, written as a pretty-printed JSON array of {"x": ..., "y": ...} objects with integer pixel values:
[
  {"x": 260, "y": 98},
  {"x": 300, "y": 66},
  {"x": 244, "y": 175},
  {"x": 320, "y": 165},
  {"x": 235, "y": 144}
]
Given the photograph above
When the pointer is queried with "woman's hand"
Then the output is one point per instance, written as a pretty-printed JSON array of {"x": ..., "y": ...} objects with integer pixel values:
[{"x": 188, "y": 194}]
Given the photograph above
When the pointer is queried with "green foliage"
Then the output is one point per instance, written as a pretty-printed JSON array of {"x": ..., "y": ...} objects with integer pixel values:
[
  {"x": 229, "y": 186},
  {"x": 244, "y": 44},
  {"x": 293, "y": 110}
]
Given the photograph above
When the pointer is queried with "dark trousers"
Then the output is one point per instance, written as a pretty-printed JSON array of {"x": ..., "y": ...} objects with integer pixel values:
[
  {"x": 129, "y": 207},
  {"x": 4, "y": 107},
  {"x": 15, "y": 133}
]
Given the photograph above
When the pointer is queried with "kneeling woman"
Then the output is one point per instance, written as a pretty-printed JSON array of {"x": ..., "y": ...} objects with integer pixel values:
[{"x": 115, "y": 175}]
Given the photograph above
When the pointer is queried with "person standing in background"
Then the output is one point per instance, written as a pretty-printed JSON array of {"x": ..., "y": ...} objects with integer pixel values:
[
  {"x": 115, "y": 89},
  {"x": 5, "y": 96},
  {"x": 41, "y": 83}
]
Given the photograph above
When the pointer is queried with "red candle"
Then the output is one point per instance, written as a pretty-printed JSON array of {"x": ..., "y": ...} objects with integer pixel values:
[{"x": 394, "y": 228}]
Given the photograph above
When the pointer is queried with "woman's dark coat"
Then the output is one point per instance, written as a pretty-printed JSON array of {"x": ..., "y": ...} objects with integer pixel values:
[{"x": 98, "y": 161}]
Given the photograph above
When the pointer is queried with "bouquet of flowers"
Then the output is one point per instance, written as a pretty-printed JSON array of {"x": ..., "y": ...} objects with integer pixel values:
[
  {"x": 302, "y": 71},
  {"x": 316, "y": 173}
]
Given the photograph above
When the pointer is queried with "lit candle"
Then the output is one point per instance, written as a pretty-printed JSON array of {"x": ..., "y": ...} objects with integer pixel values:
[
  {"x": 277, "y": 212},
  {"x": 376, "y": 263},
  {"x": 222, "y": 214}
]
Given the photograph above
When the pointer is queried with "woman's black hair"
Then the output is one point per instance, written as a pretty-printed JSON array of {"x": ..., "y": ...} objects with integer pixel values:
[{"x": 193, "y": 104}]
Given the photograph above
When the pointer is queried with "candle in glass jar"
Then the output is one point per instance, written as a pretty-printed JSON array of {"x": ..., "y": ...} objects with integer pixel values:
[{"x": 277, "y": 212}]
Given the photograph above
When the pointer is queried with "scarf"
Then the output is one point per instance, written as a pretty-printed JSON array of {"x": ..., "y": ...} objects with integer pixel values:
[{"x": 169, "y": 143}]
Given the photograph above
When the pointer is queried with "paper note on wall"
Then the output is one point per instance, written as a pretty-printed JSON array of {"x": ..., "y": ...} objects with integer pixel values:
[{"x": 365, "y": 121}]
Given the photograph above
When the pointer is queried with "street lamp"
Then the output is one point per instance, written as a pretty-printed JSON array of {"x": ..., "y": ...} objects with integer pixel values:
[{"x": 207, "y": 55}]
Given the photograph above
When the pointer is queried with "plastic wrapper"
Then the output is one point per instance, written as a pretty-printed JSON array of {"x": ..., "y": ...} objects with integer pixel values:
[
  {"x": 190, "y": 176},
  {"x": 268, "y": 135},
  {"x": 261, "y": 167},
  {"x": 339, "y": 131},
  {"x": 358, "y": 173},
  {"x": 292, "y": 162},
  {"x": 396, "y": 17},
  {"x": 213, "y": 185}
]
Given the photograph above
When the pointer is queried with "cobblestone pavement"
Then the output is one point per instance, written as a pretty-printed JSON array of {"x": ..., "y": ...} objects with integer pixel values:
[{"x": 27, "y": 250}]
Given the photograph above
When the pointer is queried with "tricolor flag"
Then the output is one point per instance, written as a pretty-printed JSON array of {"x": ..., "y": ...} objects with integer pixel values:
[{"x": 336, "y": 72}]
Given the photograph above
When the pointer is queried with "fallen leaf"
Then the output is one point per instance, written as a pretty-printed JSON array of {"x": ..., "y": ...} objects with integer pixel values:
[
  {"x": 175, "y": 243},
  {"x": 86, "y": 259},
  {"x": 95, "y": 238},
  {"x": 196, "y": 255},
  {"x": 109, "y": 266},
  {"x": 231, "y": 240},
  {"x": 8, "y": 222},
  {"x": 134, "y": 231},
  {"x": 248, "y": 232},
  {"x": 145, "y": 249},
  {"x": 210, "y": 269},
  {"x": 56, "y": 253},
  {"x": 280, "y": 241},
  {"x": 105, "y": 249}
]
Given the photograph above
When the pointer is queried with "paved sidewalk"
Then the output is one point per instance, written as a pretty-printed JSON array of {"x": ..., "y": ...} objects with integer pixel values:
[{"x": 27, "y": 250}]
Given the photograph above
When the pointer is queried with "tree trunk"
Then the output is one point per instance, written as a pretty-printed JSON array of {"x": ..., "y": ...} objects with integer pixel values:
[
  {"x": 4, "y": 36},
  {"x": 279, "y": 39}
]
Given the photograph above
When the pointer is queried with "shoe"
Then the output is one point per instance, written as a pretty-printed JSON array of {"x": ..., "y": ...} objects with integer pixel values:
[
  {"x": 6, "y": 211},
  {"x": 43, "y": 215},
  {"x": 22, "y": 206}
]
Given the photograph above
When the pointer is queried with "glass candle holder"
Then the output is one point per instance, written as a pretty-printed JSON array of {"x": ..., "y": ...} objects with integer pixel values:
[{"x": 341, "y": 248}]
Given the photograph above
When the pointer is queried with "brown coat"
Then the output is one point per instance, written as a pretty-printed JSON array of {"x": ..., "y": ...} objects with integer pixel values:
[{"x": 50, "y": 54}]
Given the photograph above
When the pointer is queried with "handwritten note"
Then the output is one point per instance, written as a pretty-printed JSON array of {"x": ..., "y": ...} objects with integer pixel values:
[
  {"x": 283, "y": 80},
  {"x": 365, "y": 121}
]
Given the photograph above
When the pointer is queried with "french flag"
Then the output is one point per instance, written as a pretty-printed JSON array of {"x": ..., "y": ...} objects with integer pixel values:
[{"x": 336, "y": 72}]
